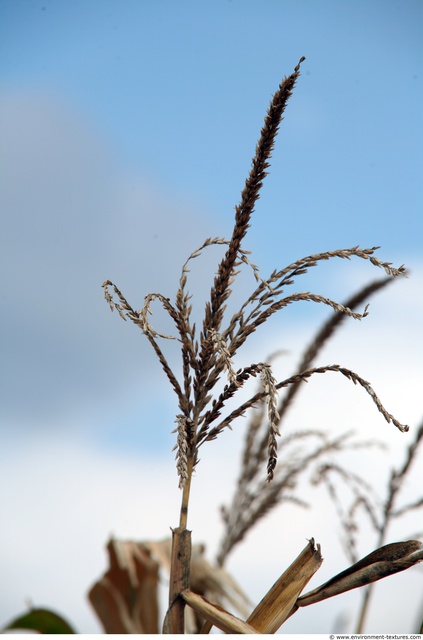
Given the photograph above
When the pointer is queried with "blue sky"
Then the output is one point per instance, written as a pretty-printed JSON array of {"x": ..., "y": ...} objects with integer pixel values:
[
  {"x": 126, "y": 134},
  {"x": 179, "y": 89}
]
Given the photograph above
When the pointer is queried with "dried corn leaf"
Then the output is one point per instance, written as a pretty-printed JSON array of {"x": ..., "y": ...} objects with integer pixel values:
[
  {"x": 278, "y": 602},
  {"x": 385, "y": 561},
  {"x": 125, "y": 598}
]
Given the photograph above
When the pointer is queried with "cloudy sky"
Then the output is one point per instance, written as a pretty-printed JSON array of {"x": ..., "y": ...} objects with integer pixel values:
[{"x": 126, "y": 133}]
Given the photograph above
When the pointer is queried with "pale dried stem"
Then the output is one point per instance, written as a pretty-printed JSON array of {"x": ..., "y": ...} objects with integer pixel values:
[
  {"x": 174, "y": 621},
  {"x": 215, "y": 615}
]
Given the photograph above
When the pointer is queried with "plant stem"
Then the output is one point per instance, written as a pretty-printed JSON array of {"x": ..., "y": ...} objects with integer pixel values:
[
  {"x": 183, "y": 517},
  {"x": 180, "y": 563},
  {"x": 364, "y": 609}
]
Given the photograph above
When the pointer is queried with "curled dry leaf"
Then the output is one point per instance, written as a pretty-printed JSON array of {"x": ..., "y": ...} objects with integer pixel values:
[
  {"x": 126, "y": 597},
  {"x": 385, "y": 561}
]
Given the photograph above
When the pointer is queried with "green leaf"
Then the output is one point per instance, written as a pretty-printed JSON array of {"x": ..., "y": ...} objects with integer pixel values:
[{"x": 41, "y": 620}]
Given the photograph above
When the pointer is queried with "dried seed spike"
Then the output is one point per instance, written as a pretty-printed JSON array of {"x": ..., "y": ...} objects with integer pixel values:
[
  {"x": 269, "y": 388},
  {"x": 182, "y": 446},
  {"x": 249, "y": 196},
  {"x": 220, "y": 346}
]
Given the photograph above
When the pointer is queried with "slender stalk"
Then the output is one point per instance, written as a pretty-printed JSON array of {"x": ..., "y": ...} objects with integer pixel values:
[
  {"x": 186, "y": 489},
  {"x": 180, "y": 561},
  {"x": 364, "y": 608}
]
